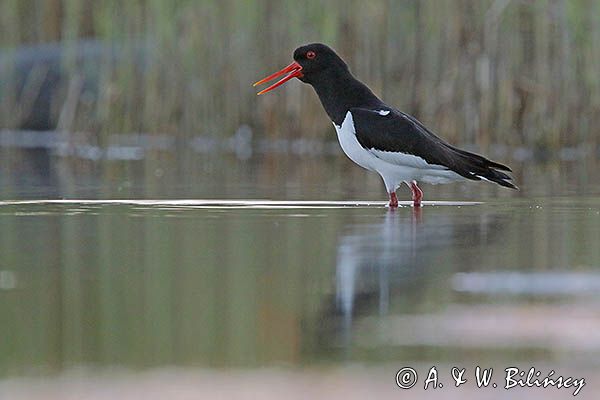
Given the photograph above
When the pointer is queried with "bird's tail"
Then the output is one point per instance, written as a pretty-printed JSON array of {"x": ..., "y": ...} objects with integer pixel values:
[{"x": 476, "y": 167}]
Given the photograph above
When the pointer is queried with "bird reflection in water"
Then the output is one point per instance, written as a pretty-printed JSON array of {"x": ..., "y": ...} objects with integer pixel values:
[
  {"x": 366, "y": 257},
  {"x": 401, "y": 254}
]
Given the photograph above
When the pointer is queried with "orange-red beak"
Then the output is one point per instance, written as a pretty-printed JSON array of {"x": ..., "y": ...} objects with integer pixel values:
[{"x": 293, "y": 70}]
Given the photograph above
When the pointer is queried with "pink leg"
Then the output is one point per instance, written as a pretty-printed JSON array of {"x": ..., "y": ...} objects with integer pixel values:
[
  {"x": 417, "y": 194},
  {"x": 393, "y": 200}
]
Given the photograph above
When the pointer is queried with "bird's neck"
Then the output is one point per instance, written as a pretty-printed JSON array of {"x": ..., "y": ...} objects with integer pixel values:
[{"x": 340, "y": 91}]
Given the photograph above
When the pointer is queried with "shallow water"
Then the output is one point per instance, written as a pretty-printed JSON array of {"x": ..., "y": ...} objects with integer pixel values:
[
  {"x": 146, "y": 283},
  {"x": 287, "y": 272}
]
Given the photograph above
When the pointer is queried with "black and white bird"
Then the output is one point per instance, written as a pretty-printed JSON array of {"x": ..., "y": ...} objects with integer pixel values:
[{"x": 381, "y": 138}]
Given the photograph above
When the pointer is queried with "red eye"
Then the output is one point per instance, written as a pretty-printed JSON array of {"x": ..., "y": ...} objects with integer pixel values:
[{"x": 310, "y": 55}]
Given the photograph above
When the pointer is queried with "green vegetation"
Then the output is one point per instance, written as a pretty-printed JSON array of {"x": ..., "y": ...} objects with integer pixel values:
[{"x": 489, "y": 71}]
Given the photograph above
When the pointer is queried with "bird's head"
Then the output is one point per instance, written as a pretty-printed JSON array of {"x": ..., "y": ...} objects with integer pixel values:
[{"x": 310, "y": 62}]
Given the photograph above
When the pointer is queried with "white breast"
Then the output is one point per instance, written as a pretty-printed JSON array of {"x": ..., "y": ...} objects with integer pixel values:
[{"x": 347, "y": 136}]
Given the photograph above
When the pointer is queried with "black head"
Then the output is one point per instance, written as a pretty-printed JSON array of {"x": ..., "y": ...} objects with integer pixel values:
[
  {"x": 311, "y": 62},
  {"x": 328, "y": 74},
  {"x": 316, "y": 59}
]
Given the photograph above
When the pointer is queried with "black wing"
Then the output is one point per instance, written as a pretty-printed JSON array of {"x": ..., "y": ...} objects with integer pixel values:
[{"x": 390, "y": 130}]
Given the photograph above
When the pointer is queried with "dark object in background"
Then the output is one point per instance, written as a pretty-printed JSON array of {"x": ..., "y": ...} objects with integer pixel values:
[
  {"x": 46, "y": 88},
  {"x": 42, "y": 84}
]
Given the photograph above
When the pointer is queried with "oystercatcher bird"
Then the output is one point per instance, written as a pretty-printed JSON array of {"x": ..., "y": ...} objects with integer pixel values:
[{"x": 381, "y": 138}]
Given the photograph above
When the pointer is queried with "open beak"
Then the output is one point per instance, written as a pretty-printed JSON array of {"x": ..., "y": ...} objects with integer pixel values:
[{"x": 294, "y": 70}]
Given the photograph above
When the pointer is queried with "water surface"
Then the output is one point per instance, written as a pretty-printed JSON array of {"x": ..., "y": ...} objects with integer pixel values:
[{"x": 261, "y": 283}]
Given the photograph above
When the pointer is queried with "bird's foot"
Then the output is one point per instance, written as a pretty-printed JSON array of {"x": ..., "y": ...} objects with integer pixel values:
[
  {"x": 393, "y": 200},
  {"x": 417, "y": 194}
]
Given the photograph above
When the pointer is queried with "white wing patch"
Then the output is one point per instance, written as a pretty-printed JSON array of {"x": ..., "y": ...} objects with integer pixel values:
[
  {"x": 403, "y": 159},
  {"x": 383, "y": 112}
]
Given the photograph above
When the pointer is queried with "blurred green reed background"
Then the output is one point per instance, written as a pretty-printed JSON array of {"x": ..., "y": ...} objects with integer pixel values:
[{"x": 514, "y": 72}]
